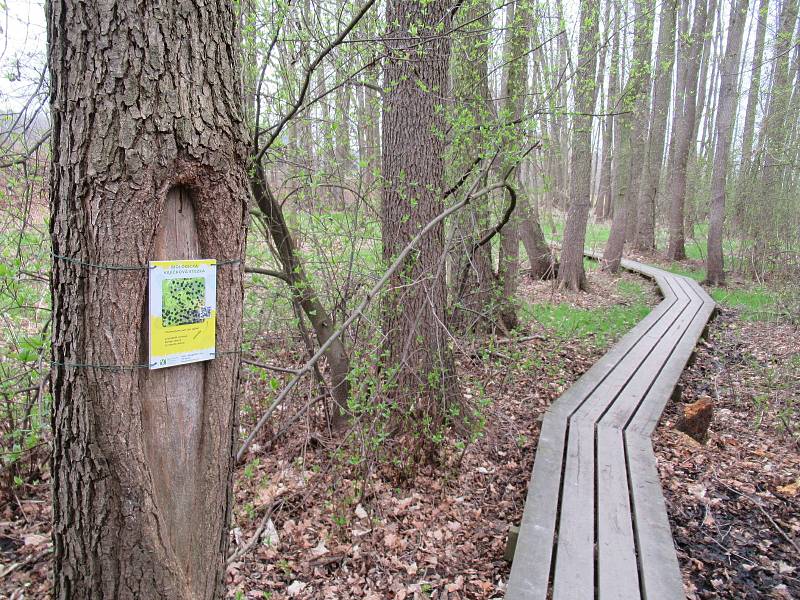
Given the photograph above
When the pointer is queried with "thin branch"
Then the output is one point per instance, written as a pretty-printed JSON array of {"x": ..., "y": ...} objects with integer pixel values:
[
  {"x": 270, "y": 272},
  {"x": 359, "y": 311},
  {"x": 307, "y": 79}
]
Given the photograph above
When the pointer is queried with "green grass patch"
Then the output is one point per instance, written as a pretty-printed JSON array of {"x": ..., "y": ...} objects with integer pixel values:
[
  {"x": 604, "y": 324},
  {"x": 754, "y": 304},
  {"x": 698, "y": 274}
]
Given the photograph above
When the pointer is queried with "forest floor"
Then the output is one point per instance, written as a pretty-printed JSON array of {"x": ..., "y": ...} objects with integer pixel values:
[
  {"x": 327, "y": 524},
  {"x": 734, "y": 501}
]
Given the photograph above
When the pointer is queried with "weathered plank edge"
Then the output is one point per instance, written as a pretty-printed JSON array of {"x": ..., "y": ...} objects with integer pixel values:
[{"x": 536, "y": 543}]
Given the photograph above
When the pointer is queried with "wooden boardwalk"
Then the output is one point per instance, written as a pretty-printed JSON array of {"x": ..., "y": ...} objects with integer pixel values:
[{"x": 595, "y": 522}]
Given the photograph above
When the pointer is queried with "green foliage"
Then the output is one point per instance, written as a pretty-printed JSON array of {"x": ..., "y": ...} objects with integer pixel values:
[
  {"x": 182, "y": 300},
  {"x": 754, "y": 304}
]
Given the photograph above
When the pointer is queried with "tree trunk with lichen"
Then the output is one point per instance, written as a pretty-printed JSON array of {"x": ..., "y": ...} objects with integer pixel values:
[{"x": 148, "y": 163}]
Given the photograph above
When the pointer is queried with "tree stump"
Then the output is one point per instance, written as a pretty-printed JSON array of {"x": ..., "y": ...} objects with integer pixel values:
[{"x": 697, "y": 418}]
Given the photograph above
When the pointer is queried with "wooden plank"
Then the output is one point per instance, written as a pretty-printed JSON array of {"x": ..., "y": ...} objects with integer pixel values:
[
  {"x": 642, "y": 364},
  {"x": 172, "y": 405},
  {"x": 574, "y": 573},
  {"x": 605, "y": 394},
  {"x": 618, "y": 576},
  {"x": 646, "y": 418},
  {"x": 636, "y": 391},
  {"x": 575, "y": 395},
  {"x": 530, "y": 571},
  {"x": 576, "y": 536},
  {"x": 532, "y": 563},
  {"x": 659, "y": 570}
]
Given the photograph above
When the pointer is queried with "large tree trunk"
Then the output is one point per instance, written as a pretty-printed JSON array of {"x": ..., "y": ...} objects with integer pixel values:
[
  {"x": 148, "y": 163},
  {"x": 570, "y": 272},
  {"x": 726, "y": 114},
  {"x": 646, "y": 209},
  {"x": 683, "y": 133},
  {"x": 418, "y": 347}
]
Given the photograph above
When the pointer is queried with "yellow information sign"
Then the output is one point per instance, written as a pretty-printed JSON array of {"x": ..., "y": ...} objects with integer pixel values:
[{"x": 183, "y": 311}]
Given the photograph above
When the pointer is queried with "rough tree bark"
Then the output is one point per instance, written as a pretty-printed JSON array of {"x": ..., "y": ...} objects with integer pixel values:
[
  {"x": 646, "y": 208},
  {"x": 633, "y": 131},
  {"x": 149, "y": 155},
  {"x": 726, "y": 114},
  {"x": 570, "y": 272},
  {"x": 415, "y": 78},
  {"x": 683, "y": 133}
]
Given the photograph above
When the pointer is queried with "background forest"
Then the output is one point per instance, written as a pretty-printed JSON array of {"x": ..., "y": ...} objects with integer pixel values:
[{"x": 423, "y": 179}]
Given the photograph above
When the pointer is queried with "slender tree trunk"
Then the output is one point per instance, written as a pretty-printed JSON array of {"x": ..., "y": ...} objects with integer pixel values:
[
  {"x": 515, "y": 84},
  {"x": 753, "y": 78},
  {"x": 417, "y": 345},
  {"x": 570, "y": 273},
  {"x": 149, "y": 155},
  {"x": 540, "y": 257},
  {"x": 726, "y": 114},
  {"x": 476, "y": 291},
  {"x": 304, "y": 294},
  {"x": 641, "y": 120},
  {"x": 633, "y": 129},
  {"x": 777, "y": 153},
  {"x": 615, "y": 87},
  {"x": 683, "y": 134},
  {"x": 645, "y": 231},
  {"x": 607, "y": 99}
]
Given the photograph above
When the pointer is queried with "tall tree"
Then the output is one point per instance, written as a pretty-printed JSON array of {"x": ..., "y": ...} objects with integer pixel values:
[
  {"x": 646, "y": 207},
  {"x": 476, "y": 293},
  {"x": 684, "y": 130},
  {"x": 777, "y": 124},
  {"x": 603, "y": 205},
  {"x": 415, "y": 78},
  {"x": 633, "y": 130},
  {"x": 149, "y": 162},
  {"x": 513, "y": 89},
  {"x": 570, "y": 273},
  {"x": 726, "y": 114},
  {"x": 754, "y": 78}
]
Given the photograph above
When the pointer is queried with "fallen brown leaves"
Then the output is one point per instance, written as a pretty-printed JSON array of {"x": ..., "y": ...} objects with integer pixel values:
[
  {"x": 733, "y": 502},
  {"x": 349, "y": 532}
]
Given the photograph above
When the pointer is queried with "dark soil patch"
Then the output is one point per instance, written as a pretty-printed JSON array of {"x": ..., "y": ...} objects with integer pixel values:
[{"x": 734, "y": 502}]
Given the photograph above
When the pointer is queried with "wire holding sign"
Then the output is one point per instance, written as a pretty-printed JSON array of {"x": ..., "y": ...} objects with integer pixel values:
[{"x": 183, "y": 311}]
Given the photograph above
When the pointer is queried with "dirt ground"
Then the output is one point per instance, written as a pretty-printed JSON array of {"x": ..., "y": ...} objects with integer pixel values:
[{"x": 734, "y": 502}]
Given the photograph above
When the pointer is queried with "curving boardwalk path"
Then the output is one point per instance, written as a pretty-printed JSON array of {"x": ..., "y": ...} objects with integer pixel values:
[{"x": 595, "y": 523}]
